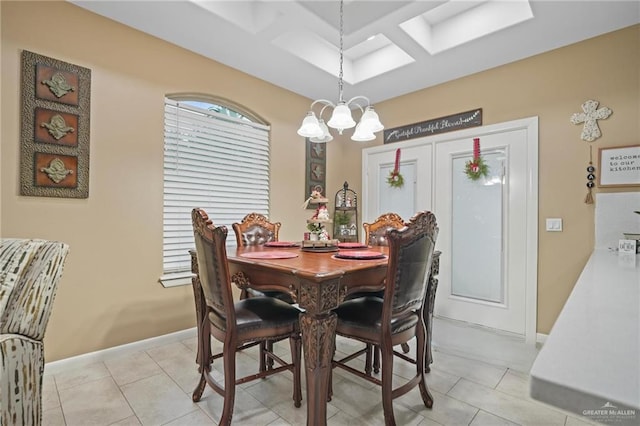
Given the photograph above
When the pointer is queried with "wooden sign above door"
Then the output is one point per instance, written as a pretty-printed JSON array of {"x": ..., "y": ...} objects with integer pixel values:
[{"x": 449, "y": 123}]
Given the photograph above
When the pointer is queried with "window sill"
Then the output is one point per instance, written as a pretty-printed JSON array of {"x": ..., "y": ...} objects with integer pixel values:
[{"x": 176, "y": 279}]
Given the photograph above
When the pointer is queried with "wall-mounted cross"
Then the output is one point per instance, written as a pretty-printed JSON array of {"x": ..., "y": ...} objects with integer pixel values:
[{"x": 590, "y": 117}]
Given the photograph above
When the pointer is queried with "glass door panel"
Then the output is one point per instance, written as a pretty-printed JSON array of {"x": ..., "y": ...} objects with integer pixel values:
[
  {"x": 400, "y": 200},
  {"x": 477, "y": 230}
]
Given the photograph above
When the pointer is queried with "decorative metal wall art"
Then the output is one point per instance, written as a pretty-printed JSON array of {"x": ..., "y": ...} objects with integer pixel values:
[
  {"x": 315, "y": 169},
  {"x": 54, "y": 140}
]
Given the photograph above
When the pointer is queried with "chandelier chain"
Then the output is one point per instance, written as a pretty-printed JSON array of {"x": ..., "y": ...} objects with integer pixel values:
[
  {"x": 341, "y": 54},
  {"x": 317, "y": 130}
]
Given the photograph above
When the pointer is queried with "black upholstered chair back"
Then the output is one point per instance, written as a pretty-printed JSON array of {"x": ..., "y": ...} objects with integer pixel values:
[
  {"x": 255, "y": 229},
  {"x": 410, "y": 257},
  {"x": 212, "y": 266},
  {"x": 256, "y": 235}
]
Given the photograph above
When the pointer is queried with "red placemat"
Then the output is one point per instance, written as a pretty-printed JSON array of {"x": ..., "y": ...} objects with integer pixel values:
[
  {"x": 269, "y": 255},
  {"x": 281, "y": 244},
  {"x": 326, "y": 249},
  {"x": 360, "y": 255},
  {"x": 352, "y": 245}
]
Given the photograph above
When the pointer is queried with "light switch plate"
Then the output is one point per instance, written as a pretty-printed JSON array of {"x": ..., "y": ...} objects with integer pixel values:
[{"x": 554, "y": 224}]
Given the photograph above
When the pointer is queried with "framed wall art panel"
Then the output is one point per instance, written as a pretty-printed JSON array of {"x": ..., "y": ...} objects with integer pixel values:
[
  {"x": 55, "y": 171},
  {"x": 56, "y": 127},
  {"x": 56, "y": 84},
  {"x": 54, "y": 137},
  {"x": 315, "y": 169}
]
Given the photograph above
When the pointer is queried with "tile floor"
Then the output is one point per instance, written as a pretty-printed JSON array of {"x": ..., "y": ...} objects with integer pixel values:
[{"x": 477, "y": 378}]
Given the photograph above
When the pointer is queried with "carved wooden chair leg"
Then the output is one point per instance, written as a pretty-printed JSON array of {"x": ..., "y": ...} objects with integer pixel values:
[
  {"x": 229, "y": 350},
  {"x": 269, "y": 347},
  {"x": 203, "y": 359},
  {"x": 421, "y": 360},
  {"x": 387, "y": 388},
  {"x": 197, "y": 392},
  {"x": 263, "y": 357},
  {"x": 376, "y": 359},
  {"x": 296, "y": 351},
  {"x": 368, "y": 356},
  {"x": 428, "y": 359},
  {"x": 376, "y": 356}
]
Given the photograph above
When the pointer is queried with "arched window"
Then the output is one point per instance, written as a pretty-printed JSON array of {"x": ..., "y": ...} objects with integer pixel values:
[{"x": 216, "y": 157}]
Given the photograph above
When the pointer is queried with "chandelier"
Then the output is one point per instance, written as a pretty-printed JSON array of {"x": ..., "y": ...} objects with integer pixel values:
[{"x": 317, "y": 130}]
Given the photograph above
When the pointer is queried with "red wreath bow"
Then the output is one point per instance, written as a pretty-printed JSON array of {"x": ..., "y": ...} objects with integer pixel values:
[
  {"x": 476, "y": 167},
  {"x": 395, "y": 179}
]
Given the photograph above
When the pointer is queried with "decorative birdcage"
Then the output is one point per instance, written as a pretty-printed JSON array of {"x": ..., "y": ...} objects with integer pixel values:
[{"x": 345, "y": 217}]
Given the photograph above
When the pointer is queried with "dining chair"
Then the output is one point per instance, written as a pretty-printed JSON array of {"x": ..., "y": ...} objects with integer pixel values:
[
  {"x": 237, "y": 325},
  {"x": 255, "y": 229},
  {"x": 399, "y": 316},
  {"x": 375, "y": 234}
]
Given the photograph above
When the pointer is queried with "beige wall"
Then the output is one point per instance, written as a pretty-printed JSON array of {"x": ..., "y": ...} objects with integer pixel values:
[
  {"x": 551, "y": 86},
  {"x": 109, "y": 294}
]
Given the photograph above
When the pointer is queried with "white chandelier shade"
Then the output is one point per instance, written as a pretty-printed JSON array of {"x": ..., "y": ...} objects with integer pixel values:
[
  {"x": 341, "y": 119},
  {"x": 326, "y": 136},
  {"x": 315, "y": 128}
]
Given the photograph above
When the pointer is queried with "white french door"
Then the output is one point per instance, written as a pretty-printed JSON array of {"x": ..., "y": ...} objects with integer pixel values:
[
  {"x": 415, "y": 195},
  {"x": 488, "y": 228}
]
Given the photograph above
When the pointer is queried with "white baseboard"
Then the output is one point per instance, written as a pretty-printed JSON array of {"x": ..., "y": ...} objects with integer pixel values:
[
  {"x": 541, "y": 338},
  {"x": 116, "y": 351}
]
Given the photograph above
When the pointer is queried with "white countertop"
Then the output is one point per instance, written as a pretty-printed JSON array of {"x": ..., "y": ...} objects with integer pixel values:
[{"x": 592, "y": 355}]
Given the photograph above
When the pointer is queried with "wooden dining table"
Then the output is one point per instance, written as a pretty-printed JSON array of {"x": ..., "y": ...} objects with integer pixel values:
[{"x": 318, "y": 282}]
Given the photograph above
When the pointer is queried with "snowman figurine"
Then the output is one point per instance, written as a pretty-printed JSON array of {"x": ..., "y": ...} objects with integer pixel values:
[{"x": 322, "y": 213}]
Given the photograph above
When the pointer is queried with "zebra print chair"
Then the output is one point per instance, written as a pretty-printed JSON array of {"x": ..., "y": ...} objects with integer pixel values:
[{"x": 29, "y": 275}]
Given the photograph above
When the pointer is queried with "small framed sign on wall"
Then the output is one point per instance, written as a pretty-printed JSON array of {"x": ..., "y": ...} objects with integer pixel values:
[{"x": 619, "y": 166}]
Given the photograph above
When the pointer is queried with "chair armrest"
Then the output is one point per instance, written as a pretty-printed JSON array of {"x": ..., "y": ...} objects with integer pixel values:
[{"x": 28, "y": 284}]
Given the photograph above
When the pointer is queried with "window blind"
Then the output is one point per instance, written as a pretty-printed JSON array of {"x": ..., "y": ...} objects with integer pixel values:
[{"x": 214, "y": 162}]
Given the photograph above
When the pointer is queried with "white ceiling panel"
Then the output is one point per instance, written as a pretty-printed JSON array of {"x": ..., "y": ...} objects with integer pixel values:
[{"x": 295, "y": 44}]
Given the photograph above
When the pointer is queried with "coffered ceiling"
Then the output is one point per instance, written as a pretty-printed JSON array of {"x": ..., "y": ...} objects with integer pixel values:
[{"x": 390, "y": 47}]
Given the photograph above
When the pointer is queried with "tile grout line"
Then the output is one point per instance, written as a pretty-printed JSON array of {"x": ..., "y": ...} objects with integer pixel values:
[
  {"x": 188, "y": 394},
  {"x": 125, "y": 398},
  {"x": 64, "y": 418},
  {"x": 474, "y": 417},
  {"x": 501, "y": 378}
]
